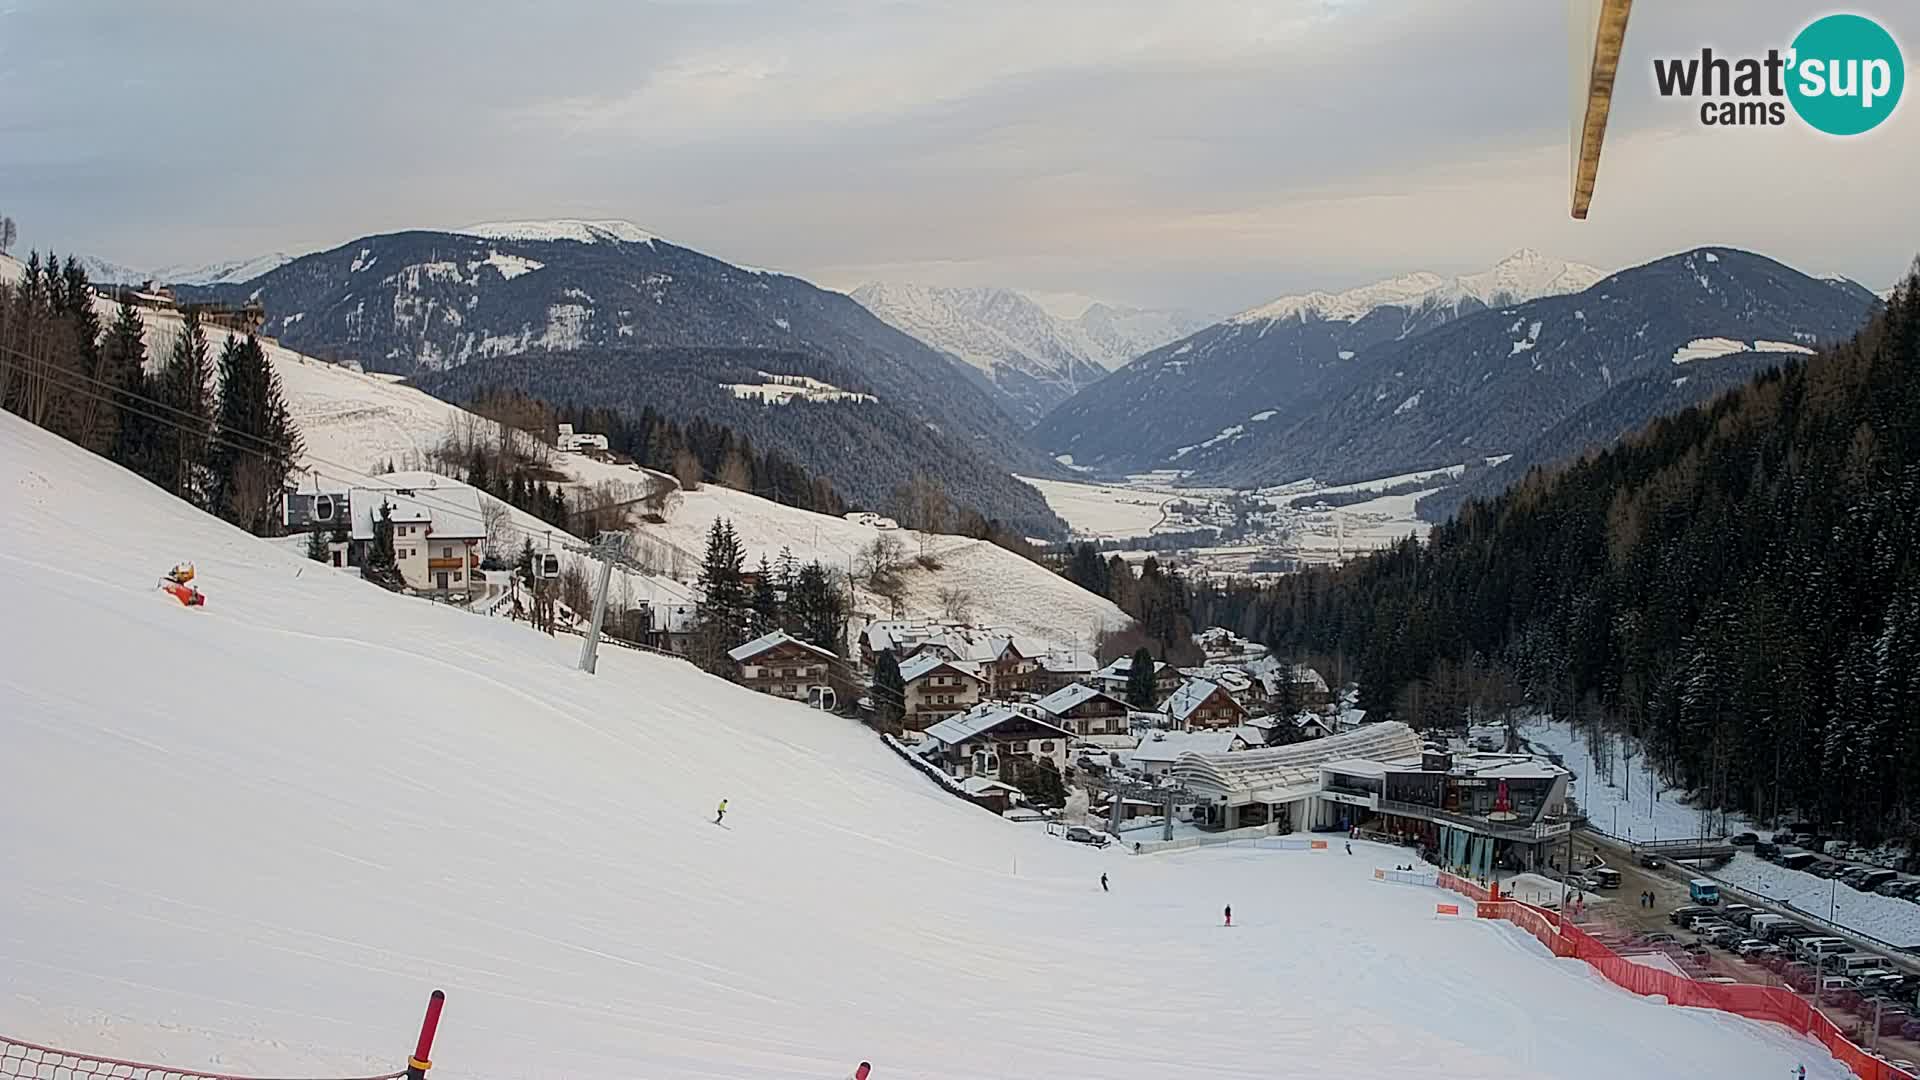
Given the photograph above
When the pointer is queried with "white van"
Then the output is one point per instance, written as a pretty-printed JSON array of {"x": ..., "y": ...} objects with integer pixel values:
[
  {"x": 1815, "y": 950},
  {"x": 1760, "y": 924},
  {"x": 1851, "y": 964}
]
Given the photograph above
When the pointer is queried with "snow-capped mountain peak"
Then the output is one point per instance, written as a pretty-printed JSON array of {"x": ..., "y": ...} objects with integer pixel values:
[
  {"x": 1348, "y": 306},
  {"x": 1033, "y": 358},
  {"x": 225, "y": 272},
  {"x": 1524, "y": 275},
  {"x": 585, "y": 232}
]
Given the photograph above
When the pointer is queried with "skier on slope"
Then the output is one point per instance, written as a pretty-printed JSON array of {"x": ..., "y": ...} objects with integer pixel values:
[
  {"x": 1103, "y": 884},
  {"x": 719, "y": 817},
  {"x": 1349, "y": 847},
  {"x": 1229, "y": 914}
]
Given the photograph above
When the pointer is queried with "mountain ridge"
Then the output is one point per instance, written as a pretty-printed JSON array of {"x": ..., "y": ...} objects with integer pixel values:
[
  {"x": 422, "y": 301},
  {"x": 1032, "y": 358}
]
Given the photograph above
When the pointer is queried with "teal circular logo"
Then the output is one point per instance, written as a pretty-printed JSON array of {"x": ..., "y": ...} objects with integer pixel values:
[{"x": 1846, "y": 74}]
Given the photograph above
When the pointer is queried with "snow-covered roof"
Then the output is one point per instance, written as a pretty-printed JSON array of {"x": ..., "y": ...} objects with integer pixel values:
[
  {"x": 1288, "y": 768},
  {"x": 449, "y": 508},
  {"x": 1192, "y": 694},
  {"x": 1507, "y": 767},
  {"x": 1252, "y": 736},
  {"x": 740, "y": 654},
  {"x": 1068, "y": 662},
  {"x": 1168, "y": 746},
  {"x": 1231, "y": 679},
  {"x": 980, "y": 785},
  {"x": 1069, "y": 696},
  {"x": 926, "y": 663},
  {"x": 1121, "y": 667},
  {"x": 1109, "y": 742},
  {"x": 957, "y": 729}
]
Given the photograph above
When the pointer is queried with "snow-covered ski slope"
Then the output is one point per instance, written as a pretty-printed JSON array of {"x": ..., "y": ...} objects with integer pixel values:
[{"x": 252, "y": 836}]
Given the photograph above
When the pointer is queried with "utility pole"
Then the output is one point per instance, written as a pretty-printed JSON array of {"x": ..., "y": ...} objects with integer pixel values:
[{"x": 607, "y": 547}]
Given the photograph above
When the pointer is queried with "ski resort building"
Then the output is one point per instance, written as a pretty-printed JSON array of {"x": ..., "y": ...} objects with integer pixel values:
[
  {"x": 438, "y": 526},
  {"x": 938, "y": 688},
  {"x": 1475, "y": 810},
  {"x": 1086, "y": 711},
  {"x": 1199, "y": 703},
  {"x": 1155, "y": 756},
  {"x": 780, "y": 664},
  {"x": 1061, "y": 668},
  {"x": 1113, "y": 678},
  {"x": 977, "y": 742}
]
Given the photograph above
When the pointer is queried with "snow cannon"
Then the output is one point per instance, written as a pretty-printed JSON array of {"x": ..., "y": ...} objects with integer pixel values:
[
  {"x": 186, "y": 594},
  {"x": 175, "y": 582}
]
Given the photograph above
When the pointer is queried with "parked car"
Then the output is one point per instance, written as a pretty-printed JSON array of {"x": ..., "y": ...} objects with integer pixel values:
[
  {"x": 1821, "y": 869},
  {"x": 1698, "y": 923},
  {"x": 1728, "y": 938},
  {"x": 1604, "y": 877},
  {"x": 1798, "y": 975},
  {"x": 1817, "y": 949},
  {"x": 1751, "y": 947},
  {"x": 1766, "y": 850},
  {"x": 1739, "y": 914},
  {"x": 1799, "y": 860},
  {"x": 1891, "y": 888},
  {"x": 1681, "y": 914},
  {"x": 1873, "y": 879},
  {"x": 1080, "y": 834},
  {"x": 1745, "y": 839},
  {"x": 1893, "y": 1020}
]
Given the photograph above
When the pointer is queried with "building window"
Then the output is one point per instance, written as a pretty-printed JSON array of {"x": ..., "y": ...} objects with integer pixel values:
[
  {"x": 1046, "y": 747},
  {"x": 446, "y": 553}
]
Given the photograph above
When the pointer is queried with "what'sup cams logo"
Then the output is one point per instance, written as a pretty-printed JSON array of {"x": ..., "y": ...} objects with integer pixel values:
[{"x": 1842, "y": 75}]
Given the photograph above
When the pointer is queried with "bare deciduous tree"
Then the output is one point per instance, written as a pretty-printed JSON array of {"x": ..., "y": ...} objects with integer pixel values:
[{"x": 956, "y": 604}]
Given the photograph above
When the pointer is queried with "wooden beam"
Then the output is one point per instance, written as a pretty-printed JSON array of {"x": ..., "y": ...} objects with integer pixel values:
[{"x": 1609, "y": 36}]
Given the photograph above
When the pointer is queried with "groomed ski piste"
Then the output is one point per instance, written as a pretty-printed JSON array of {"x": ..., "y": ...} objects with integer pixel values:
[{"x": 251, "y": 837}]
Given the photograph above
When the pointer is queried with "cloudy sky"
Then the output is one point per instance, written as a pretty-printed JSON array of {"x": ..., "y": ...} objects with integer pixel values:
[{"x": 1198, "y": 154}]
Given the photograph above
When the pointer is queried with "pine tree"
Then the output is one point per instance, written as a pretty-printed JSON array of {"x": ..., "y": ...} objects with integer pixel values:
[
  {"x": 766, "y": 599},
  {"x": 889, "y": 693},
  {"x": 317, "y": 547},
  {"x": 1140, "y": 689},
  {"x": 724, "y": 607},
  {"x": 380, "y": 565},
  {"x": 816, "y": 608},
  {"x": 124, "y": 353},
  {"x": 249, "y": 465},
  {"x": 185, "y": 387}
]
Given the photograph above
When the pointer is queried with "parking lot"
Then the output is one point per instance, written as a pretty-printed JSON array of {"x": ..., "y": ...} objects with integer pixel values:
[{"x": 1634, "y": 929}]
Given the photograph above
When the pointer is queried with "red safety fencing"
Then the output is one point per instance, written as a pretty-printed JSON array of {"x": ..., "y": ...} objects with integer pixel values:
[
  {"x": 22, "y": 1060},
  {"x": 1773, "y": 1004}
]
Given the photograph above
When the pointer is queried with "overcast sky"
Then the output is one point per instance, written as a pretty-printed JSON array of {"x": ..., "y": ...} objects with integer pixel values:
[{"x": 1196, "y": 154}]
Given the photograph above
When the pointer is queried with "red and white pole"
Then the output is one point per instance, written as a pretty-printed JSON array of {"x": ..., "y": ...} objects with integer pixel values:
[{"x": 422, "y": 1058}]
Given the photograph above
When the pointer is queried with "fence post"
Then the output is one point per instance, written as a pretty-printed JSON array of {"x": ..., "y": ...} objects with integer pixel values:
[{"x": 421, "y": 1061}]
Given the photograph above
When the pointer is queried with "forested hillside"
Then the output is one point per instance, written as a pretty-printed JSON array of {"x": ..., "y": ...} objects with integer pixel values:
[
  {"x": 865, "y": 448},
  {"x": 1738, "y": 585}
]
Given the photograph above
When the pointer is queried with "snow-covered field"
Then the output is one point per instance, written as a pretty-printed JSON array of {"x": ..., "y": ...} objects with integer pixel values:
[
  {"x": 1002, "y": 589},
  {"x": 1896, "y": 922},
  {"x": 1104, "y": 511},
  {"x": 1135, "y": 509},
  {"x": 1626, "y": 808},
  {"x": 289, "y": 814}
]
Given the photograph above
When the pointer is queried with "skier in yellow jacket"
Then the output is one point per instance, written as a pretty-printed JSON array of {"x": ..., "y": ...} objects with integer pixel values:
[{"x": 717, "y": 818}]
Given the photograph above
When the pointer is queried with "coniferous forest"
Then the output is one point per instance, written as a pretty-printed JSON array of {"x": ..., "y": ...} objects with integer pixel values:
[
  {"x": 1737, "y": 586},
  {"x": 205, "y": 422}
]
